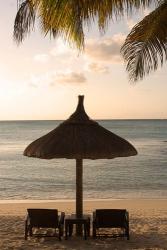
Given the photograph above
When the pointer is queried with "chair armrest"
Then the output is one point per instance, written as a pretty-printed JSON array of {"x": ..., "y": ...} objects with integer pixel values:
[
  {"x": 94, "y": 216},
  {"x": 61, "y": 218},
  {"x": 95, "y": 219},
  {"x": 27, "y": 219},
  {"x": 127, "y": 216},
  {"x": 94, "y": 224}
]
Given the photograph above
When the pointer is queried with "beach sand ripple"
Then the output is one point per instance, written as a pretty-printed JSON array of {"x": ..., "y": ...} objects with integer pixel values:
[{"x": 148, "y": 231}]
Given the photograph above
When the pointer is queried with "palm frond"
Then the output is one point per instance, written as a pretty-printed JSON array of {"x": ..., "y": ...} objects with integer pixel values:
[
  {"x": 24, "y": 21},
  {"x": 67, "y": 18},
  {"x": 146, "y": 45},
  {"x": 62, "y": 18}
]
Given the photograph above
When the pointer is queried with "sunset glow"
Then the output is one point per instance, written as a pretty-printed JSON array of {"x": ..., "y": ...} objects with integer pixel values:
[{"x": 42, "y": 78}]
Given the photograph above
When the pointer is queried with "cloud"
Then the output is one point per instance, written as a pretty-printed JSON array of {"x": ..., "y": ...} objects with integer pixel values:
[
  {"x": 53, "y": 78},
  {"x": 33, "y": 85},
  {"x": 138, "y": 17},
  {"x": 61, "y": 52},
  {"x": 39, "y": 80},
  {"x": 70, "y": 78},
  {"x": 60, "y": 49},
  {"x": 42, "y": 58},
  {"x": 131, "y": 23},
  {"x": 146, "y": 11},
  {"x": 107, "y": 49},
  {"x": 97, "y": 68}
]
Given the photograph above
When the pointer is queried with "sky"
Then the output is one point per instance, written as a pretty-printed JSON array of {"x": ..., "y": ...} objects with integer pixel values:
[{"x": 41, "y": 78}]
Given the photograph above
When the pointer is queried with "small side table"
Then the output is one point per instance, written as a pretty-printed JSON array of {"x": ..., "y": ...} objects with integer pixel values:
[{"x": 72, "y": 219}]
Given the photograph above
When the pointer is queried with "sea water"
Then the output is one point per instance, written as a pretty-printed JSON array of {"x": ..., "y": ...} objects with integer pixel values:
[{"x": 141, "y": 176}]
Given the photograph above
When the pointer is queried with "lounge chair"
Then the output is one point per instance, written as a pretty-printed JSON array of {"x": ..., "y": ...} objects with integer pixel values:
[
  {"x": 111, "y": 218},
  {"x": 43, "y": 218}
]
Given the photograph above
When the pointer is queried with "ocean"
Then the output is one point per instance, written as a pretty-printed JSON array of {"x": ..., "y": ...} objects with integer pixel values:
[{"x": 142, "y": 176}]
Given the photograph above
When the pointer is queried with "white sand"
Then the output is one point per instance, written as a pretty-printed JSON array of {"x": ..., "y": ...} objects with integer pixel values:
[{"x": 148, "y": 226}]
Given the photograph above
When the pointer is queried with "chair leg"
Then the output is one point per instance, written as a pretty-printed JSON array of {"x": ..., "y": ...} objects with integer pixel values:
[
  {"x": 61, "y": 230},
  {"x": 85, "y": 231},
  {"x": 30, "y": 230},
  {"x": 66, "y": 231},
  {"x": 128, "y": 237},
  {"x": 127, "y": 233},
  {"x": 70, "y": 230},
  {"x": 94, "y": 231},
  {"x": 60, "y": 233},
  {"x": 88, "y": 227},
  {"x": 26, "y": 230}
]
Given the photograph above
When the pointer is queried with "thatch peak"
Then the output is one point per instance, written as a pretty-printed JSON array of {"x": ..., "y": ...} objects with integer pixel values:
[
  {"x": 79, "y": 116},
  {"x": 79, "y": 137}
]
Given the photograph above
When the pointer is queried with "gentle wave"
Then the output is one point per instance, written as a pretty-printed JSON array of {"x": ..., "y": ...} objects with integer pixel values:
[{"x": 142, "y": 176}]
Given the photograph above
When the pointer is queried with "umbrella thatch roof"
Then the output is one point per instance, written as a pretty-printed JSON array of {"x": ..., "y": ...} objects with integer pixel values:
[{"x": 79, "y": 137}]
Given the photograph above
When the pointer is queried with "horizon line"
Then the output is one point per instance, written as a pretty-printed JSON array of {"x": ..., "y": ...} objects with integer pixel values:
[{"x": 99, "y": 119}]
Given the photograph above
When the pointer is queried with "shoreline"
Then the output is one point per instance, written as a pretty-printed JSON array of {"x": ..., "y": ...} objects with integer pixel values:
[
  {"x": 16, "y": 207},
  {"x": 6, "y": 201}
]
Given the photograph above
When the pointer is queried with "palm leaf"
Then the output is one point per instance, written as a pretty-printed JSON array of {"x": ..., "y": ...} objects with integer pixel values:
[
  {"x": 67, "y": 18},
  {"x": 62, "y": 18},
  {"x": 24, "y": 21},
  {"x": 146, "y": 45}
]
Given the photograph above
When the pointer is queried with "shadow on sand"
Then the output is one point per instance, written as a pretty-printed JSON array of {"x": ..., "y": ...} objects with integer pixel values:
[{"x": 145, "y": 233}]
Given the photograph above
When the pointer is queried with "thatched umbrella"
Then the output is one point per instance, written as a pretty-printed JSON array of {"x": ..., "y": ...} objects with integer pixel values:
[{"x": 80, "y": 138}]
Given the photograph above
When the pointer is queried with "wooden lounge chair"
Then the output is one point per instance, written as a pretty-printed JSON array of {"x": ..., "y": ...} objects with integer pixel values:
[
  {"x": 44, "y": 218},
  {"x": 111, "y": 218}
]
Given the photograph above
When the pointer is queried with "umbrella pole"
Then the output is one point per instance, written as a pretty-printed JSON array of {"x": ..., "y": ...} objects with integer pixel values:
[{"x": 79, "y": 193}]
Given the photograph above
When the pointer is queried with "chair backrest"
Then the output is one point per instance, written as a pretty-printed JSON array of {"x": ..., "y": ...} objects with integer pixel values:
[
  {"x": 43, "y": 217},
  {"x": 110, "y": 217}
]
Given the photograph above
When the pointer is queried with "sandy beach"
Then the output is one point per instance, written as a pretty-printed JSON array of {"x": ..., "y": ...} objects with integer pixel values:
[{"x": 148, "y": 225}]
